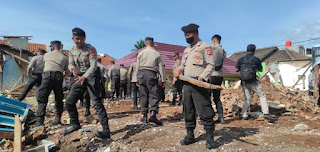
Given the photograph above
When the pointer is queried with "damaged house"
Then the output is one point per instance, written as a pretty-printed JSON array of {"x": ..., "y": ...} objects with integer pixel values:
[{"x": 16, "y": 53}]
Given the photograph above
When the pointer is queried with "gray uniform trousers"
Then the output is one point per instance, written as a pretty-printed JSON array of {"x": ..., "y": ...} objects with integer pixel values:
[
  {"x": 34, "y": 80},
  {"x": 247, "y": 89},
  {"x": 149, "y": 91},
  {"x": 51, "y": 81},
  {"x": 216, "y": 80},
  {"x": 177, "y": 89},
  {"x": 196, "y": 99},
  {"x": 93, "y": 85},
  {"x": 115, "y": 85}
]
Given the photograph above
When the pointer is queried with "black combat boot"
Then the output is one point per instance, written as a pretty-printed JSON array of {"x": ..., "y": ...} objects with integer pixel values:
[
  {"x": 55, "y": 121},
  {"x": 221, "y": 119},
  {"x": 144, "y": 119},
  {"x": 209, "y": 139},
  {"x": 153, "y": 118},
  {"x": 104, "y": 134},
  {"x": 39, "y": 123},
  {"x": 189, "y": 139},
  {"x": 71, "y": 129},
  {"x": 87, "y": 113}
]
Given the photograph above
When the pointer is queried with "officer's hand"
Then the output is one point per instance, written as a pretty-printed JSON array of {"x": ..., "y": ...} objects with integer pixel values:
[
  {"x": 177, "y": 73},
  {"x": 80, "y": 80},
  {"x": 200, "y": 79},
  {"x": 137, "y": 84},
  {"x": 173, "y": 82}
]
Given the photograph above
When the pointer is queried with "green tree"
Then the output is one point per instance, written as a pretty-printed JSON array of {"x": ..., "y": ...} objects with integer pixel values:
[{"x": 138, "y": 45}]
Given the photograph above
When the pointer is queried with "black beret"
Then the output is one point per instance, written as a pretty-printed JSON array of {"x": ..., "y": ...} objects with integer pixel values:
[
  {"x": 42, "y": 51},
  {"x": 55, "y": 43},
  {"x": 251, "y": 48},
  {"x": 78, "y": 32},
  {"x": 148, "y": 39},
  {"x": 190, "y": 28}
]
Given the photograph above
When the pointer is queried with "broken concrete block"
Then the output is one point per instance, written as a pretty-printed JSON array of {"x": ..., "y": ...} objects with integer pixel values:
[{"x": 301, "y": 127}]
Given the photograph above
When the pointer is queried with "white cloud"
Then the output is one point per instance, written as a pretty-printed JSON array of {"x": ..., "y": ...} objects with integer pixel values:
[{"x": 305, "y": 32}]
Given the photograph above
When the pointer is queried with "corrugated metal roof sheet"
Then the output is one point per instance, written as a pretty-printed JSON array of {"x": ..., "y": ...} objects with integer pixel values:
[
  {"x": 32, "y": 47},
  {"x": 166, "y": 52}
]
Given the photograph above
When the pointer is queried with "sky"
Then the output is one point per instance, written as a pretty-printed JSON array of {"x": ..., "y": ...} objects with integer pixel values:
[{"x": 114, "y": 26}]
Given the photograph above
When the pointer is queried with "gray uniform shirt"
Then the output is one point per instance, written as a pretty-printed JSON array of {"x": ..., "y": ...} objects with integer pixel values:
[
  {"x": 197, "y": 61},
  {"x": 175, "y": 66},
  {"x": 36, "y": 65},
  {"x": 150, "y": 59},
  {"x": 133, "y": 72},
  {"x": 83, "y": 60},
  {"x": 218, "y": 54},
  {"x": 123, "y": 74},
  {"x": 55, "y": 61},
  {"x": 114, "y": 71},
  {"x": 102, "y": 70}
]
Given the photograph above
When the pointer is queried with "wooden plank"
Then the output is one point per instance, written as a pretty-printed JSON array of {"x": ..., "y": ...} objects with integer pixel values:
[
  {"x": 6, "y": 134},
  {"x": 19, "y": 87},
  {"x": 16, "y": 83},
  {"x": 264, "y": 73},
  {"x": 17, "y": 134},
  {"x": 315, "y": 85},
  {"x": 302, "y": 75},
  {"x": 199, "y": 83},
  {"x": 15, "y": 56}
]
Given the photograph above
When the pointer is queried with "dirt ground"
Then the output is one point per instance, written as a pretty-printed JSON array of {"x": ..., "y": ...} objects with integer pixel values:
[{"x": 129, "y": 134}]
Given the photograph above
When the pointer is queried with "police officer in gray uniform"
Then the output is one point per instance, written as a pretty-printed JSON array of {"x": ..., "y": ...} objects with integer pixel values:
[
  {"x": 149, "y": 63},
  {"x": 55, "y": 64},
  {"x": 123, "y": 81},
  {"x": 176, "y": 83},
  {"x": 34, "y": 71},
  {"x": 133, "y": 77},
  {"x": 197, "y": 63},
  {"x": 114, "y": 74},
  {"x": 216, "y": 78},
  {"x": 83, "y": 65}
]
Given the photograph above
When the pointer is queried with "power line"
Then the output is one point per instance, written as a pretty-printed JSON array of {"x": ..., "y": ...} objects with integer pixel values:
[{"x": 301, "y": 41}]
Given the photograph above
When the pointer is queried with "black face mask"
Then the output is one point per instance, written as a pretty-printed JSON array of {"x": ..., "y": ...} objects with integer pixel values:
[{"x": 190, "y": 40}]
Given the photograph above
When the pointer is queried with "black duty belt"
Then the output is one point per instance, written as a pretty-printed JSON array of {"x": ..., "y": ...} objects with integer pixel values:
[
  {"x": 147, "y": 70},
  {"x": 52, "y": 72},
  {"x": 36, "y": 73}
]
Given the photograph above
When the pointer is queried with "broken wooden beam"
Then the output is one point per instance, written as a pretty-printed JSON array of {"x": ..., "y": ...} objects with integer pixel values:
[{"x": 199, "y": 83}]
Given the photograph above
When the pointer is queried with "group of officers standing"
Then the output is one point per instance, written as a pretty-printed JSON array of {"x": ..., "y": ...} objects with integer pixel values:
[{"x": 147, "y": 74}]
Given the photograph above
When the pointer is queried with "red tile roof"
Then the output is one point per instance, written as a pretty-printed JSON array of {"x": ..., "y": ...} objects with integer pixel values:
[
  {"x": 105, "y": 60},
  {"x": 166, "y": 52},
  {"x": 32, "y": 47}
]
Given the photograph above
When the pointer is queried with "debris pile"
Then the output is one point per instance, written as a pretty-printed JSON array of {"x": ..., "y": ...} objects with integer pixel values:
[{"x": 279, "y": 97}]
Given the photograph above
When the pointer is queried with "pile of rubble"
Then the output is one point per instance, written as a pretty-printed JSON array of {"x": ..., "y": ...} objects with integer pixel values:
[{"x": 280, "y": 99}]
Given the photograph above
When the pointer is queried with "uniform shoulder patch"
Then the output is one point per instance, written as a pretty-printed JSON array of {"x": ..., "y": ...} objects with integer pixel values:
[{"x": 209, "y": 51}]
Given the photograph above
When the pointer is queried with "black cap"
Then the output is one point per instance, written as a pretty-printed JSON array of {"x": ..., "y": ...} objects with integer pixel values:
[
  {"x": 99, "y": 59},
  {"x": 176, "y": 54},
  {"x": 148, "y": 39},
  {"x": 55, "y": 43},
  {"x": 251, "y": 48},
  {"x": 190, "y": 28},
  {"x": 122, "y": 65},
  {"x": 78, "y": 32},
  {"x": 42, "y": 51}
]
